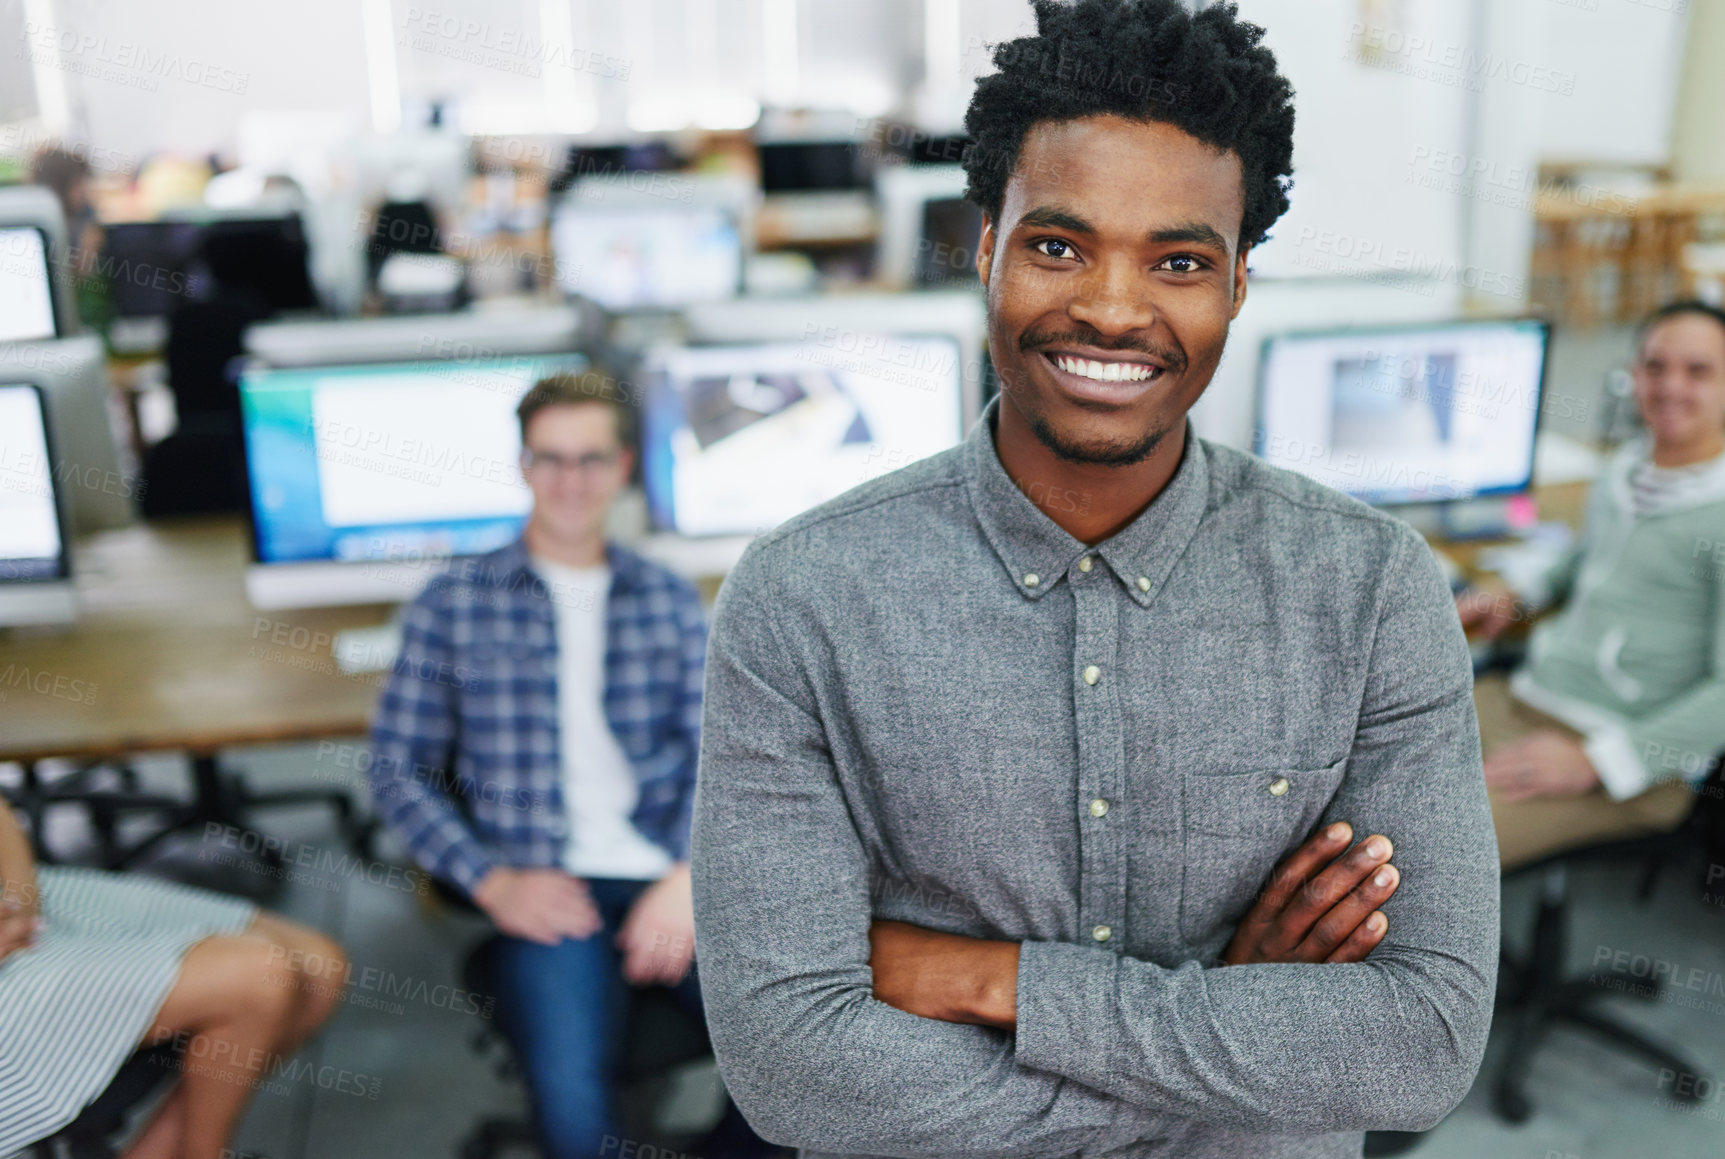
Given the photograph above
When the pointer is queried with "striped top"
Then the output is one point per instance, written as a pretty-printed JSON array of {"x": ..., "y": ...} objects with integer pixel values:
[{"x": 75, "y": 1003}]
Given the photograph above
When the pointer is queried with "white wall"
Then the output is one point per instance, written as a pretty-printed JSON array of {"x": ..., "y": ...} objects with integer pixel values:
[
  {"x": 1357, "y": 132},
  {"x": 1627, "y": 58},
  {"x": 179, "y": 76}
]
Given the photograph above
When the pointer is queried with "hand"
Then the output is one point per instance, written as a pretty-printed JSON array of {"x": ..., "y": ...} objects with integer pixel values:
[
  {"x": 946, "y": 976},
  {"x": 540, "y": 905},
  {"x": 658, "y": 936},
  {"x": 1487, "y": 609},
  {"x": 1318, "y": 905},
  {"x": 1541, "y": 764},
  {"x": 18, "y": 924}
]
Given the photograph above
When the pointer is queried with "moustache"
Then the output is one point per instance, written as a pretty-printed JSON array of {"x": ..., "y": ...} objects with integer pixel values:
[{"x": 1171, "y": 357}]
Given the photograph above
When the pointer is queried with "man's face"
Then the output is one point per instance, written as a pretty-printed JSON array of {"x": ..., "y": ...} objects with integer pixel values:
[
  {"x": 1680, "y": 379},
  {"x": 1112, "y": 275},
  {"x": 575, "y": 466}
]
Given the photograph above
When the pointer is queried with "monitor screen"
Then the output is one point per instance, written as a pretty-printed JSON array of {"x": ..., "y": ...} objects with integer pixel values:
[
  {"x": 26, "y": 287},
  {"x": 1408, "y": 415},
  {"x": 604, "y": 160},
  {"x": 812, "y": 166},
  {"x": 738, "y": 438},
  {"x": 387, "y": 461},
  {"x": 31, "y": 546},
  {"x": 647, "y": 257},
  {"x": 946, "y": 251},
  {"x": 152, "y": 266}
]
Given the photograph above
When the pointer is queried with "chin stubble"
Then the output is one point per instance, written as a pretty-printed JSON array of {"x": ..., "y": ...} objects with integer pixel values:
[{"x": 1113, "y": 455}]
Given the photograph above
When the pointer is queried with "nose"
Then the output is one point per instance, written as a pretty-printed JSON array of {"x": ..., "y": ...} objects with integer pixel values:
[{"x": 1113, "y": 298}]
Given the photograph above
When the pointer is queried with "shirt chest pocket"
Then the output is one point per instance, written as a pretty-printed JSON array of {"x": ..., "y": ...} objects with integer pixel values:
[{"x": 1238, "y": 825}]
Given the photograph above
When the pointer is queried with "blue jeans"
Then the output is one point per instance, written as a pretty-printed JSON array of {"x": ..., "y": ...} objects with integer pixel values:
[{"x": 563, "y": 1009}]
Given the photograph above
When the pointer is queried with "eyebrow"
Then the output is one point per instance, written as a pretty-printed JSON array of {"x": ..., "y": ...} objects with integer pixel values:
[{"x": 1192, "y": 232}]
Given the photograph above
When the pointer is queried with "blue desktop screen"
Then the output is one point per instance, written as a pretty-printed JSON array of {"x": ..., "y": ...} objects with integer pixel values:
[{"x": 387, "y": 461}]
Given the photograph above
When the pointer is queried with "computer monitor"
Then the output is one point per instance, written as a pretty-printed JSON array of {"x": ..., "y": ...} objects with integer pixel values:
[
  {"x": 905, "y": 248},
  {"x": 737, "y": 438},
  {"x": 642, "y": 255},
  {"x": 34, "y": 261},
  {"x": 841, "y": 321},
  {"x": 363, "y": 478},
  {"x": 813, "y": 166},
  {"x": 152, "y": 266},
  {"x": 582, "y": 161},
  {"x": 1406, "y": 415},
  {"x": 99, "y": 493},
  {"x": 35, "y": 561},
  {"x": 476, "y": 335},
  {"x": 26, "y": 285},
  {"x": 946, "y": 251}
]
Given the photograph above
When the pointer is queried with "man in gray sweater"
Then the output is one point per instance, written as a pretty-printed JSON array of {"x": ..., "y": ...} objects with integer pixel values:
[{"x": 1004, "y": 754}]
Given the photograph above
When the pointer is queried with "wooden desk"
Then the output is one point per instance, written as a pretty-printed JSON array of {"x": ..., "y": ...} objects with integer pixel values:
[{"x": 167, "y": 654}]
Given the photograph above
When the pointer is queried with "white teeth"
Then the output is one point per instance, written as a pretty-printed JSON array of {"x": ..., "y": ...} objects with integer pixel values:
[{"x": 1105, "y": 371}]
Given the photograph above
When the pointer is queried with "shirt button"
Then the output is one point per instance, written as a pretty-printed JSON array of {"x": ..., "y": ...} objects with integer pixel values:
[
  {"x": 1143, "y": 583},
  {"x": 1092, "y": 674},
  {"x": 1084, "y": 564},
  {"x": 1098, "y": 807},
  {"x": 1102, "y": 933},
  {"x": 1278, "y": 786},
  {"x": 1031, "y": 579}
]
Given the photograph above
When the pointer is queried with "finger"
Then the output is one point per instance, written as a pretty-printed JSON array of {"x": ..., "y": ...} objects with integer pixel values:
[
  {"x": 1362, "y": 941},
  {"x": 1338, "y": 880},
  {"x": 1292, "y": 874},
  {"x": 1344, "y": 918}
]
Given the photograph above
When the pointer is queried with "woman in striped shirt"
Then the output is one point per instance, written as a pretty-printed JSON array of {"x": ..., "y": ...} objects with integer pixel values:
[{"x": 95, "y": 965}]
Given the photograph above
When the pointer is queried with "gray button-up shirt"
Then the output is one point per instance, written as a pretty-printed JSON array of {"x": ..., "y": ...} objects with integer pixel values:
[{"x": 926, "y": 701}]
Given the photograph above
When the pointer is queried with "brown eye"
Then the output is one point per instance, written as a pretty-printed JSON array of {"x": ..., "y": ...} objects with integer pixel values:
[{"x": 1065, "y": 249}]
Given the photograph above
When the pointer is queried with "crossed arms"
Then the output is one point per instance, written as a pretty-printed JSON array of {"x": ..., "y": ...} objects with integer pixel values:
[{"x": 1107, "y": 1049}]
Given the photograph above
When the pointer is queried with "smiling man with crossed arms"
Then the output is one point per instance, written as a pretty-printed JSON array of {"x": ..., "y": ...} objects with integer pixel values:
[{"x": 989, "y": 792}]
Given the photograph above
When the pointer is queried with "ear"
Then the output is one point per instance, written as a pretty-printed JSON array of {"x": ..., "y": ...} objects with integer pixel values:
[
  {"x": 985, "y": 249},
  {"x": 1239, "y": 283}
]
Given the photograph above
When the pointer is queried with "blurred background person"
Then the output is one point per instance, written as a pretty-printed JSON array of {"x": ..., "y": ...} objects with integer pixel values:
[
  {"x": 1621, "y": 701},
  {"x": 95, "y": 966},
  {"x": 554, "y": 787}
]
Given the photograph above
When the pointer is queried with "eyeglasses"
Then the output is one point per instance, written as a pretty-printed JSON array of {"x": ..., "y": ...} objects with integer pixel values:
[{"x": 549, "y": 462}]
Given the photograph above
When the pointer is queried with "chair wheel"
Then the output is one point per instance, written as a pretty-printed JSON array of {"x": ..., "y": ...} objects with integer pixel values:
[{"x": 1511, "y": 1104}]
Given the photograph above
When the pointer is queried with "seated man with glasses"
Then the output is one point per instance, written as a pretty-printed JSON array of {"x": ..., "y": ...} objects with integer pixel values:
[{"x": 535, "y": 748}]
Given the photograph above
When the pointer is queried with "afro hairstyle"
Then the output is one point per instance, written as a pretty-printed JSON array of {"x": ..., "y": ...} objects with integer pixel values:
[{"x": 1204, "y": 73}]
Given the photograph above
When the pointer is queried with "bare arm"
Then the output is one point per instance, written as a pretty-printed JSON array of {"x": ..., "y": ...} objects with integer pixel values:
[{"x": 19, "y": 900}]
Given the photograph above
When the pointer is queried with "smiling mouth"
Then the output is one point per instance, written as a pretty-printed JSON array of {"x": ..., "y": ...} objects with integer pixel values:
[{"x": 1095, "y": 371}]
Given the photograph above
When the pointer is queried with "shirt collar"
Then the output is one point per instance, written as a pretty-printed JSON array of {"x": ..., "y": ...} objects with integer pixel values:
[
  {"x": 1037, "y": 553},
  {"x": 513, "y": 560}
]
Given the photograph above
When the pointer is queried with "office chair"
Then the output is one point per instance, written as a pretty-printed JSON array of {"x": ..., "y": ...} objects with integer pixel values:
[
  {"x": 93, "y": 1133},
  {"x": 218, "y": 798},
  {"x": 1534, "y": 992},
  {"x": 660, "y": 1037}
]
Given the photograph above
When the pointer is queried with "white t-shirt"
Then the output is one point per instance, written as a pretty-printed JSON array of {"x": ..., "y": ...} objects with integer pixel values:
[{"x": 599, "y": 787}]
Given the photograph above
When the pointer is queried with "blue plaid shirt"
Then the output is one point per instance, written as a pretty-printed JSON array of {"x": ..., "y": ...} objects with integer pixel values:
[{"x": 465, "y": 757}]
